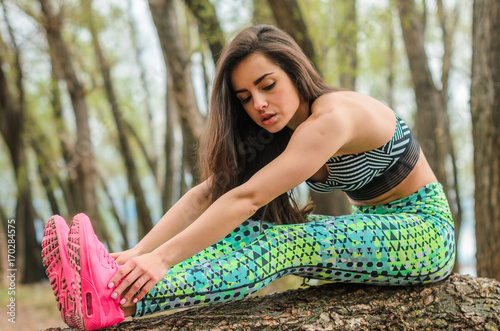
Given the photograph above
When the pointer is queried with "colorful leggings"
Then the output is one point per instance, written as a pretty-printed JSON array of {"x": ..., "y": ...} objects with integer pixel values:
[{"x": 408, "y": 241}]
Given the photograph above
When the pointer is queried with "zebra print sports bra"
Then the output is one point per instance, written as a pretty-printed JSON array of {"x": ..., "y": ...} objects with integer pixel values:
[{"x": 367, "y": 175}]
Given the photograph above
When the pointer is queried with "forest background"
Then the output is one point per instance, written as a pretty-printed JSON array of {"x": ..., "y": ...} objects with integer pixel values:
[{"x": 102, "y": 104}]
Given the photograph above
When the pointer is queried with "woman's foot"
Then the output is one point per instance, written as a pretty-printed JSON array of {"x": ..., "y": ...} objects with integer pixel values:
[
  {"x": 56, "y": 263},
  {"x": 92, "y": 268}
]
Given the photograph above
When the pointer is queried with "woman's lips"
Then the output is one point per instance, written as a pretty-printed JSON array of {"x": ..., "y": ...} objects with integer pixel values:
[{"x": 267, "y": 119}]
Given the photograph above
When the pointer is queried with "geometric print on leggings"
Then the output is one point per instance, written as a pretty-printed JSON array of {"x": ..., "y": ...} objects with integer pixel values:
[{"x": 408, "y": 241}]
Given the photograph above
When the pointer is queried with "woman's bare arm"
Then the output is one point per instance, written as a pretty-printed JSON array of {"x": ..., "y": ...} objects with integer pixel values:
[
  {"x": 306, "y": 152},
  {"x": 180, "y": 216}
]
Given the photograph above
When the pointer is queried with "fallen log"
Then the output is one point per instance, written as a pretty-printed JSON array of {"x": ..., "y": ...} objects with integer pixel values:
[{"x": 457, "y": 303}]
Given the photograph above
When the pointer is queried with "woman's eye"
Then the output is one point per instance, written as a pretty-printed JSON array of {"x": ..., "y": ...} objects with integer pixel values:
[
  {"x": 268, "y": 87},
  {"x": 247, "y": 99}
]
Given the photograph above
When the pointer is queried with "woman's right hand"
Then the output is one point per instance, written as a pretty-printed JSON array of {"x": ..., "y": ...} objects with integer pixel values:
[{"x": 122, "y": 257}]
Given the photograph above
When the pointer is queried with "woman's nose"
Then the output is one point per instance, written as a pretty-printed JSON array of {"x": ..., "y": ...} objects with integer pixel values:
[{"x": 259, "y": 103}]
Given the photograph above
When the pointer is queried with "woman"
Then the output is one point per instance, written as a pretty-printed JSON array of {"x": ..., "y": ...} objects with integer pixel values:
[{"x": 273, "y": 124}]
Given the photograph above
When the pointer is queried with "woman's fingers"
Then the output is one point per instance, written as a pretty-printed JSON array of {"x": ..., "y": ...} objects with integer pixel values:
[
  {"x": 145, "y": 289},
  {"x": 127, "y": 274},
  {"x": 137, "y": 275},
  {"x": 122, "y": 271},
  {"x": 137, "y": 285}
]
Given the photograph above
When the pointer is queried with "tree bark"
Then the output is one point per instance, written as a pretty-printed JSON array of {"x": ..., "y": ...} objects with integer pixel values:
[
  {"x": 485, "y": 110},
  {"x": 12, "y": 128},
  {"x": 448, "y": 29},
  {"x": 262, "y": 13},
  {"x": 171, "y": 117},
  {"x": 346, "y": 28},
  {"x": 144, "y": 221},
  {"x": 459, "y": 302},
  {"x": 45, "y": 172},
  {"x": 67, "y": 147},
  {"x": 122, "y": 224},
  {"x": 288, "y": 15},
  {"x": 390, "y": 61},
  {"x": 208, "y": 25},
  {"x": 81, "y": 168},
  {"x": 151, "y": 153},
  {"x": 177, "y": 62},
  {"x": 429, "y": 124}
]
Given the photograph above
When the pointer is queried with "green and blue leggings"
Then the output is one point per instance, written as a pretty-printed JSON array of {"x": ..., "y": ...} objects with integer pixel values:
[{"x": 407, "y": 241}]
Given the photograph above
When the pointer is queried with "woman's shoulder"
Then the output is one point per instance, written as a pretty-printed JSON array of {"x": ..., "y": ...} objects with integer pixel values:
[
  {"x": 369, "y": 122},
  {"x": 347, "y": 99}
]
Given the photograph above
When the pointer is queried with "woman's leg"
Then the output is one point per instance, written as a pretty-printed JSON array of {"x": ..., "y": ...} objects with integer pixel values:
[
  {"x": 410, "y": 241},
  {"x": 237, "y": 239}
]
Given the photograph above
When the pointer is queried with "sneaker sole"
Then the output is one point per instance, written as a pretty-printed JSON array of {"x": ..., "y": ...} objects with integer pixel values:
[
  {"x": 74, "y": 260},
  {"x": 57, "y": 268}
]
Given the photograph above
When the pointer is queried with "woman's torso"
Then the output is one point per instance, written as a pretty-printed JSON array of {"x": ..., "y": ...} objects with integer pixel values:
[{"x": 376, "y": 126}]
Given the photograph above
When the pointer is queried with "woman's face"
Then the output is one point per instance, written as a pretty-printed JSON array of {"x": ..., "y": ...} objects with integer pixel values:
[{"x": 267, "y": 94}]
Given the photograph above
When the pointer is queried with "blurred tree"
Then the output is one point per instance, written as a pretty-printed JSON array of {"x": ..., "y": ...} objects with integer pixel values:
[
  {"x": 208, "y": 25},
  {"x": 178, "y": 65},
  {"x": 150, "y": 153},
  {"x": 144, "y": 222},
  {"x": 81, "y": 168},
  {"x": 262, "y": 13},
  {"x": 40, "y": 143},
  {"x": 171, "y": 117},
  {"x": 346, "y": 42},
  {"x": 289, "y": 17},
  {"x": 12, "y": 127},
  {"x": 432, "y": 125},
  {"x": 485, "y": 110}
]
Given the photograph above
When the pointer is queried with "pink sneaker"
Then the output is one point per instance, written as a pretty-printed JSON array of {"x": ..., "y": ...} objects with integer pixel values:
[
  {"x": 92, "y": 268},
  {"x": 56, "y": 263}
]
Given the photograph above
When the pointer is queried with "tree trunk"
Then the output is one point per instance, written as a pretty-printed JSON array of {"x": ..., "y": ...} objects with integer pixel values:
[
  {"x": 122, "y": 224},
  {"x": 62, "y": 135},
  {"x": 262, "y": 13},
  {"x": 289, "y": 17},
  {"x": 171, "y": 117},
  {"x": 458, "y": 302},
  {"x": 144, "y": 222},
  {"x": 448, "y": 30},
  {"x": 390, "y": 61},
  {"x": 485, "y": 109},
  {"x": 151, "y": 154},
  {"x": 333, "y": 203},
  {"x": 45, "y": 172},
  {"x": 12, "y": 128},
  {"x": 346, "y": 28},
  {"x": 177, "y": 62},
  {"x": 430, "y": 124},
  {"x": 208, "y": 25},
  {"x": 81, "y": 167}
]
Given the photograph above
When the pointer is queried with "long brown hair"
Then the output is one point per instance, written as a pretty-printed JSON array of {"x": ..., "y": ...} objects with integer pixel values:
[{"x": 234, "y": 147}]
